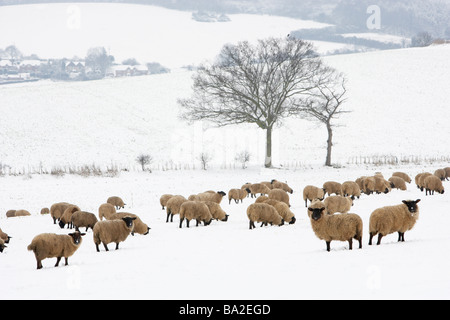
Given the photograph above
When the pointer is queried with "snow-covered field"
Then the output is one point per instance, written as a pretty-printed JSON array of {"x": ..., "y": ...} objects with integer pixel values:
[{"x": 399, "y": 104}]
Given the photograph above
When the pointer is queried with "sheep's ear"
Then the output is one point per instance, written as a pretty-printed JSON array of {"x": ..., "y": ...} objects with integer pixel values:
[
  {"x": 82, "y": 234},
  {"x": 418, "y": 200},
  {"x": 311, "y": 209},
  {"x": 321, "y": 209},
  {"x": 133, "y": 218},
  {"x": 405, "y": 202}
]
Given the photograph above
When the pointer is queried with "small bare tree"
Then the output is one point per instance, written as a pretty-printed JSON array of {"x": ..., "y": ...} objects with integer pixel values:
[
  {"x": 143, "y": 160},
  {"x": 261, "y": 84},
  {"x": 243, "y": 157},
  {"x": 204, "y": 158},
  {"x": 325, "y": 105}
]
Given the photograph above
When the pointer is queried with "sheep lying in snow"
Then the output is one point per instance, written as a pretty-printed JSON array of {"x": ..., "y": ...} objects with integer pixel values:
[
  {"x": 433, "y": 183},
  {"x": 216, "y": 211},
  {"x": 340, "y": 204},
  {"x": 163, "y": 199},
  {"x": 17, "y": 213},
  {"x": 138, "y": 225},
  {"x": 331, "y": 187},
  {"x": 173, "y": 206},
  {"x": 84, "y": 219},
  {"x": 397, "y": 182},
  {"x": 258, "y": 188},
  {"x": 10, "y": 213},
  {"x": 283, "y": 210},
  {"x": 45, "y": 211},
  {"x": 281, "y": 185},
  {"x": 237, "y": 194},
  {"x": 108, "y": 231},
  {"x": 264, "y": 213},
  {"x": 402, "y": 175},
  {"x": 197, "y": 210},
  {"x": 66, "y": 218},
  {"x": 340, "y": 227},
  {"x": 280, "y": 195},
  {"x": 4, "y": 236},
  {"x": 116, "y": 201},
  {"x": 311, "y": 193},
  {"x": 50, "y": 245},
  {"x": 351, "y": 188},
  {"x": 390, "y": 219}
]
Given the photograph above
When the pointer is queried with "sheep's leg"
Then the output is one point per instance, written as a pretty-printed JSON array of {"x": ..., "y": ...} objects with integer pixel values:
[
  {"x": 181, "y": 221},
  {"x": 67, "y": 261},
  {"x": 39, "y": 264},
  {"x": 350, "y": 244},
  {"x": 57, "y": 261},
  {"x": 106, "y": 246},
  {"x": 360, "y": 241},
  {"x": 171, "y": 217},
  {"x": 168, "y": 215},
  {"x": 187, "y": 223},
  {"x": 370, "y": 238},
  {"x": 96, "y": 247},
  {"x": 117, "y": 246},
  {"x": 401, "y": 237},
  {"x": 251, "y": 224},
  {"x": 379, "y": 238},
  {"x": 197, "y": 222},
  {"x": 328, "y": 245},
  {"x": 306, "y": 203}
]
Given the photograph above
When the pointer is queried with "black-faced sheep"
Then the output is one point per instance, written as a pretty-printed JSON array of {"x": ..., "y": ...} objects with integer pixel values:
[
  {"x": 4, "y": 236},
  {"x": 66, "y": 218},
  {"x": 10, "y": 213},
  {"x": 381, "y": 185},
  {"x": 368, "y": 185},
  {"x": 57, "y": 210},
  {"x": 281, "y": 185},
  {"x": 283, "y": 210},
  {"x": 17, "y": 213},
  {"x": 351, "y": 189},
  {"x": 261, "y": 199},
  {"x": 138, "y": 225},
  {"x": 440, "y": 173},
  {"x": 279, "y": 195},
  {"x": 45, "y": 211},
  {"x": 197, "y": 210},
  {"x": 237, "y": 194},
  {"x": 116, "y": 201},
  {"x": 431, "y": 184},
  {"x": 264, "y": 213},
  {"x": 397, "y": 183},
  {"x": 390, "y": 219},
  {"x": 106, "y": 210},
  {"x": 108, "y": 231},
  {"x": 163, "y": 199},
  {"x": 216, "y": 211},
  {"x": 208, "y": 196},
  {"x": 311, "y": 193},
  {"x": 50, "y": 245},
  {"x": 256, "y": 188},
  {"x": 420, "y": 178},
  {"x": 331, "y": 187},
  {"x": 402, "y": 175},
  {"x": 83, "y": 219},
  {"x": 340, "y": 204},
  {"x": 173, "y": 206},
  {"x": 340, "y": 227}
]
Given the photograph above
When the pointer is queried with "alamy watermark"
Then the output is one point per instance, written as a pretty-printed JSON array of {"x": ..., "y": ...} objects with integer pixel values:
[{"x": 374, "y": 20}]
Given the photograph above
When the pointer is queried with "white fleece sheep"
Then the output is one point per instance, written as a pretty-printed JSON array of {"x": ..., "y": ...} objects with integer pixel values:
[
  {"x": 311, "y": 193},
  {"x": 237, "y": 194},
  {"x": 331, "y": 187},
  {"x": 390, "y": 219},
  {"x": 340, "y": 227},
  {"x": 283, "y": 210},
  {"x": 106, "y": 210},
  {"x": 397, "y": 183},
  {"x": 164, "y": 198},
  {"x": 208, "y": 196},
  {"x": 258, "y": 188},
  {"x": 108, "y": 231},
  {"x": 280, "y": 195},
  {"x": 138, "y": 225},
  {"x": 66, "y": 218},
  {"x": 83, "y": 219},
  {"x": 264, "y": 213},
  {"x": 281, "y": 185},
  {"x": 351, "y": 188},
  {"x": 116, "y": 201},
  {"x": 340, "y": 204},
  {"x": 173, "y": 206},
  {"x": 433, "y": 183},
  {"x": 197, "y": 210},
  {"x": 50, "y": 245},
  {"x": 216, "y": 211}
]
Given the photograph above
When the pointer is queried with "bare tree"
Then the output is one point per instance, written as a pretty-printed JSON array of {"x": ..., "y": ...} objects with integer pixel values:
[
  {"x": 260, "y": 84},
  {"x": 325, "y": 105},
  {"x": 243, "y": 157},
  {"x": 204, "y": 158},
  {"x": 144, "y": 159}
]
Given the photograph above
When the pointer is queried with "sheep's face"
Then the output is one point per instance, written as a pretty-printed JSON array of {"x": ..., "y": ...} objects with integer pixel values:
[
  {"x": 316, "y": 213},
  {"x": 76, "y": 237},
  {"x": 412, "y": 205},
  {"x": 221, "y": 193},
  {"x": 129, "y": 221}
]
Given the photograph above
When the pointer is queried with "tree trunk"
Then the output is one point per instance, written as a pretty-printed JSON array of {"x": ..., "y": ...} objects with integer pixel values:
[
  {"x": 268, "y": 161},
  {"x": 329, "y": 145}
]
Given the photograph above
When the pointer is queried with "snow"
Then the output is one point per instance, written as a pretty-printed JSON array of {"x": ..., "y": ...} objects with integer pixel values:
[{"x": 399, "y": 107}]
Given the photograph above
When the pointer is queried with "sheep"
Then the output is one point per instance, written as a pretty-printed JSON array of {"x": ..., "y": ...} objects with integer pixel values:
[
  {"x": 397, "y": 182},
  {"x": 258, "y": 188},
  {"x": 66, "y": 218},
  {"x": 216, "y": 211},
  {"x": 331, "y": 187},
  {"x": 50, "y": 245},
  {"x": 173, "y": 206},
  {"x": 280, "y": 195},
  {"x": 138, "y": 225},
  {"x": 440, "y": 173},
  {"x": 45, "y": 211},
  {"x": 447, "y": 173},
  {"x": 340, "y": 204},
  {"x": 283, "y": 210},
  {"x": 281, "y": 185},
  {"x": 83, "y": 219},
  {"x": 431, "y": 184},
  {"x": 312, "y": 192},
  {"x": 106, "y": 210},
  {"x": 209, "y": 196},
  {"x": 360, "y": 182},
  {"x": 381, "y": 185},
  {"x": 2, "y": 245},
  {"x": 399, "y": 218},
  {"x": 268, "y": 184},
  {"x": 368, "y": 184},
  {"x": 261, "y": 199},
  {"x": 108, "y": 231},
  {"x": 4, "y": 236},
  {"x": 10, "y": 213},
  {"x": 351, "y": 188},
  {"x": 264, "y": 213},
  {"x": 116, "y": 201},
  {"x": 340, "y": 227},
  {"x": 402, "y": 175},
  {"x": 420, "y": 178},
  {"x": 57, "y": 210},
  {"x": 197, "y": 210},
  {"x": 237, "y": 194},
  {"x": 163, "y": 199},
  {"x": 246, "y": 186}
]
